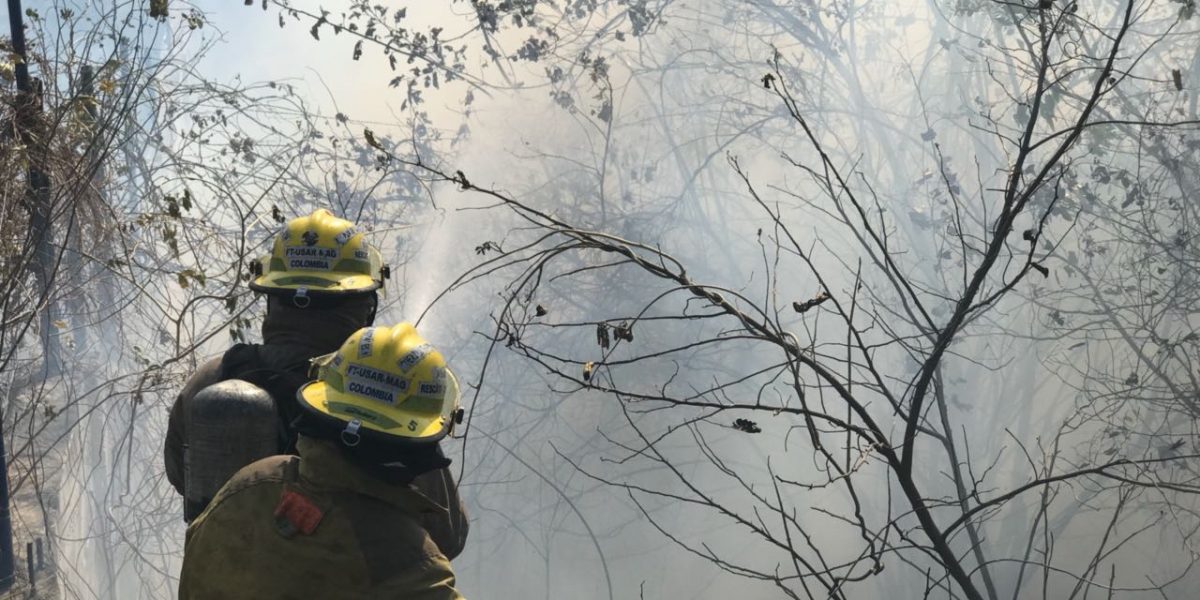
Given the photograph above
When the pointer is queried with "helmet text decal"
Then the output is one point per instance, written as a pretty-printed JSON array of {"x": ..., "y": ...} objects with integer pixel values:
[
  {"x": 413, "y": 357},
  {"x": 345, "y": 236},
  {"x": 364, "y": 343},
  {"x": 373, "y": 384},
  {"x": 310, "y": 259}
]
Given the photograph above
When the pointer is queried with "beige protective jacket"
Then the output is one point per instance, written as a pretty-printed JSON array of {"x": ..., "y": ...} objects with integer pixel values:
[
  {"x": 315, "y": 526},
  {"x": 448, "y": 529}
]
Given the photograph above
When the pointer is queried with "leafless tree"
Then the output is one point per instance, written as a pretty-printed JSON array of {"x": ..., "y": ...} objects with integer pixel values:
[{"x": 854, "y": 346}]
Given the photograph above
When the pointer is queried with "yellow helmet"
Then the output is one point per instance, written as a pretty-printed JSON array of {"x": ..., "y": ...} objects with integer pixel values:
[
  {"x": 385, "y": 384},
  {"x": 319, "y": 255}
]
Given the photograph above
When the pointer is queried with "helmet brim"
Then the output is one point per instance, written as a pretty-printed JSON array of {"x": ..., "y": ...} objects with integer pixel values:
[
  {"x": 398, "y": 426},
  {"x": 331, "y": 282},
  {"x": 285, "y": 282}
]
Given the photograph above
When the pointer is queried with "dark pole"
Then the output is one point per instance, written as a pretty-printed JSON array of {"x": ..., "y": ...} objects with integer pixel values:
[
  {"x": 6, "y": 541},
  {"x": 17, "y": 27},
  {"x": 38, "y": 184},
  {"x": 29, "y": 104},
  {"x": 29, "y": 566}
]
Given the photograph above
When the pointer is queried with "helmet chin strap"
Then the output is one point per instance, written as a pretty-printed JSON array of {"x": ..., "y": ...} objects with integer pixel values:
[{"x": 388, "y": 463}]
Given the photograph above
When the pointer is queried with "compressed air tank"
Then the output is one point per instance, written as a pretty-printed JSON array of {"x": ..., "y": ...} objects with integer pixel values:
[{"x": 229, "y": 425}]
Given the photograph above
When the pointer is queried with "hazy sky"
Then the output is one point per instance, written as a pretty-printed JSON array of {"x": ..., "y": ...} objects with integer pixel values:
[{"x": 253, "y": 46}]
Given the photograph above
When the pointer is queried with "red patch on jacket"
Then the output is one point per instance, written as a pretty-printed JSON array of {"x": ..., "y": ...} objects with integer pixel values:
[{"x": 300, "y": 511}]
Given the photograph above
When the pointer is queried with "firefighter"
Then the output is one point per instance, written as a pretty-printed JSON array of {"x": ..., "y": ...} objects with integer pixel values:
[
  {"x": 321, "y": 282},
  {"x": 340, "y": 520}
]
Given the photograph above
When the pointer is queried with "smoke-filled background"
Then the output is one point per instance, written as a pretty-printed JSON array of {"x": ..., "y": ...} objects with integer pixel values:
[{"x": 831, "y": 299}]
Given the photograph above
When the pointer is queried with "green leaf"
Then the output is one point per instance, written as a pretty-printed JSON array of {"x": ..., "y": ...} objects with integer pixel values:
[{"x": 188, "y": 275}]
